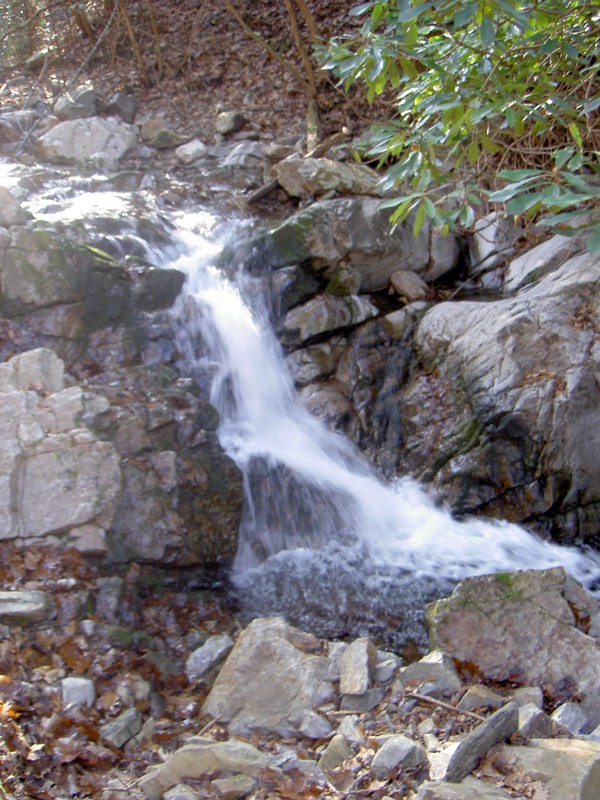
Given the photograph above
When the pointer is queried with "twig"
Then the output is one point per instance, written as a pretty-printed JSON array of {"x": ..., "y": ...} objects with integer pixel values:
[
  {"x": 263, "y": 43},
  {"x": 207, "y": 727},
  {"x": 425, "y": 698}
]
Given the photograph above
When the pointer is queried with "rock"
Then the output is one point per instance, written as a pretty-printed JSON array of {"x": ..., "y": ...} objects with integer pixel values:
[
  {"x": 537, "y": 262},
  {"x": 528, "y": 695},
  {"x": 344, "y": 281},
  {"x": 123, "y": 728},
  {"x": 78, "y": 140},
  {"x": 468, "y": 789},
  {"x": 398, "y": 323},
  {"x": 267, "y": 683},
  {"x": 572, "y": 717},
  {"x": 40, "y": 370},
  {"x": 157, "y": 134},
  {"x": 434, "y": 674},
  {"x": 89, "y": 540},
  {"x": 123, "y": 106},
  {"x": 14, "y": 125},
  {"x": 314, "y": 726},
  {"x": 349, "y": 730},
  {"x": 79, "y": 103},
  {"x": 78, "y": 692},
  {"x": 408, "y": 285},
  {"x": 190, "y": 151},
  {"x": 229, "y": 122},
  {"x": 311, "y": 177},
  {"x": 357, "y": 663},
  {"x": 324, "y": 314},
  {"x": 208, "y": 656},
  {"x": 397, "y": 752},
  {"x": 480, "y": 697},
  {"x": 355, "y": 231},
  {"x": 519, "y": 624},
  {"x": 445, "y": 253},
  {"x": 386, "y": 667},
  {"x": 496, "y": 728},
  {"x": 362, "y": 702},
  {"x": 336, "y": 752},
  {"x": 11, "y": 212},
  {"x": 533, "y": 723},
  {"x": 313, "y": 362},
  {"x": 23, "y": 607},
  {"x": 233, "y": 787},
  {"x": 199, "y": 757},
  {"x": 244, "y": 154},
  {"x": 492, "y": 242},
  {"x": 567, "y": 768},
  {"x": 180, "y": 792}
]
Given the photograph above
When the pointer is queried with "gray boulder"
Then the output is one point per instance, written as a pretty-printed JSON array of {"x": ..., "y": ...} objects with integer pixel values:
[
  {"x": 311, "y": 177},
  {"x": 79, "y": 103},
  {"x": 79, "y": 140},
  {"x": 521, "y": 626},
  {"x": 269, "y": 683},
  {"x": 324, "y": 314}
]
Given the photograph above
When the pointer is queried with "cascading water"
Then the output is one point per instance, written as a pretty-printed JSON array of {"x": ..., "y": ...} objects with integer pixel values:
[{"x": 323, "y": 539}]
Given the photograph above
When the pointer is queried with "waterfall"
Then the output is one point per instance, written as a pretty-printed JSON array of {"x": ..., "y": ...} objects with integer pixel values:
[{"x": 322, "y": 535}]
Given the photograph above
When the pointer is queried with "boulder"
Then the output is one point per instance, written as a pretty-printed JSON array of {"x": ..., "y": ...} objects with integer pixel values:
[
  {"x": 516, "y": 426},
  {"x": 397, "y": 752},
  {"x": 521, "y": 627},
  {"x": 311, "y": 177},
  {"x": 23, "y": 607},
  {"x": 324, "y": 314},
  {"x": 191, "y": 151},
  {"x": 156, "y": 133},
  {"x": 355, "y": 231},
  {"x": 269, "y": 683},
  {"x": 79, "y": 103},
  {"x": 11, "y": 212},
  {"x": 54, "y": 473},
  {"x": 208, "y": 656},
  {"x": 229, "y": 122},
  {"x": 358, "y": 662},
  {"x": 566, "y": 768},
  {"x": 199, "y": 757},
  {"x": 79, "y": 140}
]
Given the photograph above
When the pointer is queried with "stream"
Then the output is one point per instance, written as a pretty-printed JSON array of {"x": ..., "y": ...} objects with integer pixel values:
[{"x": 323, "y": 539}]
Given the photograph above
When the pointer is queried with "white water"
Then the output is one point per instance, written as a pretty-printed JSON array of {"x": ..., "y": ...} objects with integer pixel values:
[{"x": 307, "y": 488}]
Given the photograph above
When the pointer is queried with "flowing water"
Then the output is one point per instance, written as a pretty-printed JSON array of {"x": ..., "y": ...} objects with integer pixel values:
[{"x": 323, "y": 539}]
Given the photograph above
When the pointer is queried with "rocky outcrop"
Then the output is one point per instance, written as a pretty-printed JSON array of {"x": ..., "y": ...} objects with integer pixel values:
[{"x": 55, "y": 475}]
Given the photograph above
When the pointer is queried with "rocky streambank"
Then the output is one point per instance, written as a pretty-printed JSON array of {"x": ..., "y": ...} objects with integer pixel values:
[{"x": 113, "y": 690}]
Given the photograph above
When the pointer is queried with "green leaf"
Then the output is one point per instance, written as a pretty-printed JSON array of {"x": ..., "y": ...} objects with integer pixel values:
[
  {"x": 473, "y": 153},
  {"x": 412, "y": 13},
  {"x": 430, "y": 209},
  {"x": 576, "y": 134},
  {"x": 519, "y": 205},
  {"x": 562, "y": 156},
  {"x": 487, "y": 32},
  {"x": 553, "y": 220},
  {"x": 358, "y": 10},
  {"x": 510, "y": 191},
  {"x": 519, "y": 174},
  {"x": 419, "y": 220},
  {"x": 464, "y": 15},
  {"x": 593, "y": 241}
]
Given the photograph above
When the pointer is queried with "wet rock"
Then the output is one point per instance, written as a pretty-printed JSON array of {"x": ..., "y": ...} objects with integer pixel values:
[
  {"x": 191, "y": 151},
  {"x": 397, "y": 752},
  {"x": 324, "y": 314},
  {"x": 311, "y": 177},
  {"x": 78, "y": 692},
  {"x": 199, "y": 757},
  {"x": 11, "y": 212},
  {"x": 244, "y": 154},
  {"x": 496, "y": 728},
  {"x": 79, "y": 140},
  {"x": 519, "y": 441},
  {"x": 267, "y": 683},
  {"x": 354, "y": 231},
  {"x": 208, "y": 656},
  {"x": 123, "y": 728},
  {"x": 23, "y": 607},
  {"x": 519, "y": 624}
]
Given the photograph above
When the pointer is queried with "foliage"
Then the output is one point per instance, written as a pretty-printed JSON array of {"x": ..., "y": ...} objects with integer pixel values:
[{"x": 495, "y": 101}]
